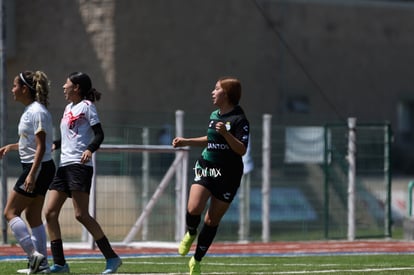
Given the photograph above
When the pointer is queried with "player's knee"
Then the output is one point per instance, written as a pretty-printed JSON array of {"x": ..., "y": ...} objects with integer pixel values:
[
  {"x": 7, "y": 215},
  {"x": 82, "y": 217},
  {"x": 51, "y": 216}
]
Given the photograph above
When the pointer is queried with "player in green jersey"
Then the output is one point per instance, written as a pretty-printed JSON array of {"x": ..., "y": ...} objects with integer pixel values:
[{"x": 218, "y": 171}]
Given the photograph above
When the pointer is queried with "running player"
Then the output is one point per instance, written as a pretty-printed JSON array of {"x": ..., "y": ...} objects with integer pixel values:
[{"x": 218, "y": 171}]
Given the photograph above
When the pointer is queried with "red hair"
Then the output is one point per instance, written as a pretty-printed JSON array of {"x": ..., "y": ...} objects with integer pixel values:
[{"x": 232, "y": 87}]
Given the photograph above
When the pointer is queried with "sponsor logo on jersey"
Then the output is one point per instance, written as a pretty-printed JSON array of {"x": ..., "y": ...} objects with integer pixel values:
[
  {"x": 201, "y": 172},
  {"x": 218, "y": 146}
]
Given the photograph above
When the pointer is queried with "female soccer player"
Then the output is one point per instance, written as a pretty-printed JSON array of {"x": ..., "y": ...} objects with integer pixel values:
[
  {"x": 35, "y": 150},
  {"x": 218, "y": 171},
  {"x": 81, "y": 135}
]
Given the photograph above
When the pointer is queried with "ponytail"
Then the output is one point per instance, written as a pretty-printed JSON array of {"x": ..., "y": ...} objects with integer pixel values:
[
  {"x": 93, "y": 95},
  {"x": 38, "y": 84},
  {"x": 42, "y": 87},
  {"x": 85, "y": 86}
]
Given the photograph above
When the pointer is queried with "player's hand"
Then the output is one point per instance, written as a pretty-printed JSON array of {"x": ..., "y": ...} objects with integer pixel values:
[
  {"x": 86, "y": 156},
  {"x": 221, "y": 128},
  {"x": 29, "y": 183},
  {"x": 178, "y": 142},
  {"x": 4, "y": 150}
]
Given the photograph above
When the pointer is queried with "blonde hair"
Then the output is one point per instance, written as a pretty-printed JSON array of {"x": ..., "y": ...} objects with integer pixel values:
[{"x": 38, "y": 84}]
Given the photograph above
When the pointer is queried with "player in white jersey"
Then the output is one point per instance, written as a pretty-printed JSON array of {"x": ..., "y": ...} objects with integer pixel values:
[
  {"x": 35, "y": 142},
  {"x": 81, "y": 135}
]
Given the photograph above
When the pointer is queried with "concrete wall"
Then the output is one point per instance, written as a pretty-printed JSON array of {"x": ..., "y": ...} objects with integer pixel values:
[{"x": 341, "y": 58}]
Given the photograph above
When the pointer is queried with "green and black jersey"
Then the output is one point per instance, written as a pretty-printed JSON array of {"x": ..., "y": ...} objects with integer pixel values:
[{"x": 218, "y": 150}]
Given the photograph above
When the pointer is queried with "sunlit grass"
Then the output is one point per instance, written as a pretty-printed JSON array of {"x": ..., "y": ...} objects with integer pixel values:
[{"x": 344, "y": 264}]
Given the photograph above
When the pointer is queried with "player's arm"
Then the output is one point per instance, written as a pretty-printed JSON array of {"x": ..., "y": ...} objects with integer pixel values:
[
  {"x": 30, "y": 181},
  {"x": 98, "y": 139},
  {"x": 56, "y": 144},
  {"x": 236, "y": 145},
  {"x": 196, "y": 141},
  {"x": 95, "y": 144},
  {"x": 9, "y": 147}
]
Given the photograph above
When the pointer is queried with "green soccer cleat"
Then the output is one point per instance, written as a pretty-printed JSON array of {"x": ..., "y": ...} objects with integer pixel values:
[
  {"x": 195, "y": 266},
  {"x": 186, "y": 243}
]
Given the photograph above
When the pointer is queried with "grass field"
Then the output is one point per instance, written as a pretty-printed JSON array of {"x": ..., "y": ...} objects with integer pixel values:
[{"x": 341, "y": 264}]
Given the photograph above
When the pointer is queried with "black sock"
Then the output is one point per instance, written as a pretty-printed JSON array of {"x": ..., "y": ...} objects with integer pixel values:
[
  {"x": 192, "y": 223},
  {"x": 205, "y": 239},
  {"x": 56, "y": 247},
  {"x": 106, "y": 248}
]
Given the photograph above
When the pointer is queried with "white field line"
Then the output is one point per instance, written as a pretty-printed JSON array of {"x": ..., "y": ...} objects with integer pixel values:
[
  {"x": 320, "y": 271},
  {"x": 289, "y": 272}
]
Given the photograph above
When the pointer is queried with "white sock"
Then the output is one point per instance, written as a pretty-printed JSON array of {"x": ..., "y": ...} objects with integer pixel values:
[
  {"x": 22, "y": 235},
  {"x": 39, "y": 239}
]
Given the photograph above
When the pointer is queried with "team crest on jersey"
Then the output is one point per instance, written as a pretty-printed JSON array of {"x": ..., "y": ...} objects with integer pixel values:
[{"x": 228, "y": 126}]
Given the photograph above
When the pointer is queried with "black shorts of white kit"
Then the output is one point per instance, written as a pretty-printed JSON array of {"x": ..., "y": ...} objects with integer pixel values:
[
  {"x": 221, "y": 180},
  {"x": 73, "y": 177},
  {"x": 43, "y": 180}
]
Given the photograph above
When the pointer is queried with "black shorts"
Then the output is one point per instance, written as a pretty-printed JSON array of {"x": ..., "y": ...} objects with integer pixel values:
[
  {"x": 221, "y": 180},
  {"x": 43, "y": 180},
  {"x": 73, "y": 177}
]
